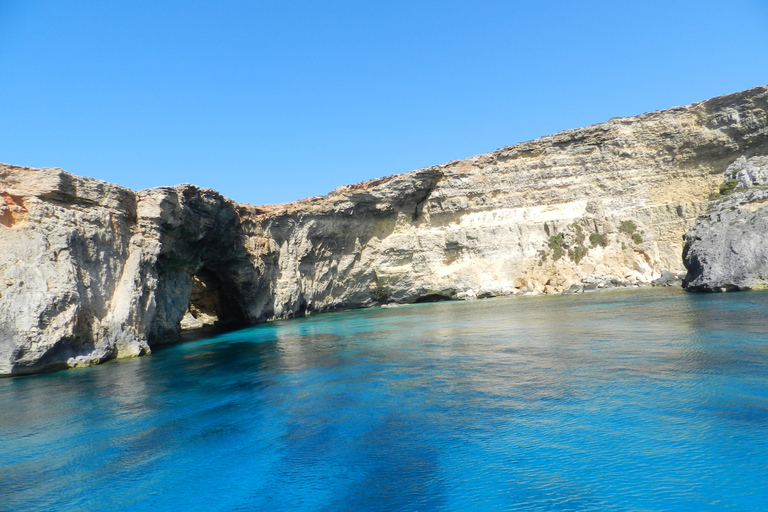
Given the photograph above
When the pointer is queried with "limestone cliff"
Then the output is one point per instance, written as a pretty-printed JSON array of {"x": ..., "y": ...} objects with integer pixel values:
[
  {"x": 92, "y": 271},
  {"x": 727, "y": 248},
  {"x": 605, "y": 203}
]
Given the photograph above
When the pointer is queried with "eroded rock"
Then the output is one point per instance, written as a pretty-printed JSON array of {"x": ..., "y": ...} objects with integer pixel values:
[
  {"x": 91, "y": 271},
  {"x": 726, "y": 249}
]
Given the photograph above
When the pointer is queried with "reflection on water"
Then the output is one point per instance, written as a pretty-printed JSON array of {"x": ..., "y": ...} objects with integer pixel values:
[{"x": 642, "y": 400}]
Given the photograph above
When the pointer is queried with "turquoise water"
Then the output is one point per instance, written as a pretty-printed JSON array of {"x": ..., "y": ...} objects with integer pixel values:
[{"x": 627, "y": 400}]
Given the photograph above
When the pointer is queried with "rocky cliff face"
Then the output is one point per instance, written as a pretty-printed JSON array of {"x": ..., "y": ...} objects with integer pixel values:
[
  {"x": 92, "y": 271},
  {"x": 726, "y": 249},
  {"x": 607, "y": 203}
]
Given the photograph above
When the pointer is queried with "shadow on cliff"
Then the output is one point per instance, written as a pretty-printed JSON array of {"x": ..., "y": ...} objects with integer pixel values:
[{"x": 204, "y": 272}]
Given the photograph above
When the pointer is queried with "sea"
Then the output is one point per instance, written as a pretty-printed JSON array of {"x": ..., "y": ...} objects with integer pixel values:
[{"x": 626, "y": 400}]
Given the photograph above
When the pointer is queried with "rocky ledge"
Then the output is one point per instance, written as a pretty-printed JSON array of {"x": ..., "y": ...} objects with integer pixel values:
[
  {"x": 726, "y": 249},
  {"x": 91, "y": 271}
]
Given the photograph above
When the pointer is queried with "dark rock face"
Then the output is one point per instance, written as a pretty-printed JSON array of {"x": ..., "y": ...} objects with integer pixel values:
[
  {"x": 726, "y": 249},
  {"x": 198, "y": 233}
]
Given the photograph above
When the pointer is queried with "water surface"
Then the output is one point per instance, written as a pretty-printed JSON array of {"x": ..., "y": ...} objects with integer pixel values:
[{"x": 626, "y": 400}]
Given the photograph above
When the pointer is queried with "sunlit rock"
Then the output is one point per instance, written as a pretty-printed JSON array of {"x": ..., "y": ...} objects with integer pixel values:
[{"x": 91, "y": 271}]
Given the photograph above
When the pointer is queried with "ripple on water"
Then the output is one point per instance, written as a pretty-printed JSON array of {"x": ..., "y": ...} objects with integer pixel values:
[{"x": 651, "y": 400}]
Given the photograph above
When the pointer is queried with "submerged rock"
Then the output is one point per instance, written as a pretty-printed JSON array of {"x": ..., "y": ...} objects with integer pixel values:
[
  {"x": 91, "y": 271},
  {"x": 726, "y": 249}
]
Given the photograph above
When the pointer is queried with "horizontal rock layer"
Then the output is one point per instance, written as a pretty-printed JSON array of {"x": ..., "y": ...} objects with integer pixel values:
[
  {"x": 610, "y": 201},
  {"x": 92, "y": 271}
]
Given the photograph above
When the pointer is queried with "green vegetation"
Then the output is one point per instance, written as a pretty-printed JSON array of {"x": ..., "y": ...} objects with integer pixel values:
[
  {"x": 573, "y": 243},
  {"x": 577, "y": 253},
  {"x": 628, "y": 227},
  {"x": 556, "y": 244},
  {"x": 579, "y": 234},
  {"x": 598, "y": 239},
  {"x": 728, "y": 186}
]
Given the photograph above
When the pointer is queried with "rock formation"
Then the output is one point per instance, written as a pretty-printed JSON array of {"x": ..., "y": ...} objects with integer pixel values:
[
  {"x": 92, "y": 271},
  {"x": 727, "y": 248}
]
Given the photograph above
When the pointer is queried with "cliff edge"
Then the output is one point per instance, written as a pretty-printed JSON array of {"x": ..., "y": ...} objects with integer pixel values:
[{"x": 92, "y": 271}]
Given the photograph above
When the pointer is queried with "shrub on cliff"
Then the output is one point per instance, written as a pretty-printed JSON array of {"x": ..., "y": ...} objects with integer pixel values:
[
  {"x": 556, "y": 244},
  {"x": 627, "y": 227},
  {"x": 598, "y": 239},
  {"x": 577, "y": 253},
  {"x": 579, "y": 234},
  {"x": 728, "y": 186}
]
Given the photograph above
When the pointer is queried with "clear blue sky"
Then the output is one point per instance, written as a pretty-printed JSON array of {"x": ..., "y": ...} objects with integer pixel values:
[{"x": 272, "y": 101}]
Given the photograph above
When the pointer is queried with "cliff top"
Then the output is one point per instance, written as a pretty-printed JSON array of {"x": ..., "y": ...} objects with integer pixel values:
[{"x": 612, "y": 139}]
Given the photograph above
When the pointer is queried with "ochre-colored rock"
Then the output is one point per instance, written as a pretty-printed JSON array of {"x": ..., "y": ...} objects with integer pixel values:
[{"x": 91, "y": 271}]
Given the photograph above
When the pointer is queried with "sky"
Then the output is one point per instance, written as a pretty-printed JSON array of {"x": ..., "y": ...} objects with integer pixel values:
[{"x": 273, "y": 101}]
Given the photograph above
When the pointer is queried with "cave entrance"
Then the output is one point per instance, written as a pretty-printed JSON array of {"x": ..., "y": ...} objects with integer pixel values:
[
  {"x": 211, "y": 304},
  {"x": 431, "y": 297}
]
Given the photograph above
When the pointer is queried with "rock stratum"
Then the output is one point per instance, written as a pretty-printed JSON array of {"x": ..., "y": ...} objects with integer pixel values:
[{"x": 91, "y": 271}]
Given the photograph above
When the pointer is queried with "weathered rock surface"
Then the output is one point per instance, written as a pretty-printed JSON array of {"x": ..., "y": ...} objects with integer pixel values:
[
  {"x": 667, "y": 278},
  {"x": 726, "y": 249},
  {"x": 92, "y": 271},
  {"x": 610, "y": 200}
]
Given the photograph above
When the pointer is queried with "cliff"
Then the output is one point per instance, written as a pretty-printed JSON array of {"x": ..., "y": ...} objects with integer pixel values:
[
  {"x": 92, "y": 271},
  {"x": 726, "y": 249}
]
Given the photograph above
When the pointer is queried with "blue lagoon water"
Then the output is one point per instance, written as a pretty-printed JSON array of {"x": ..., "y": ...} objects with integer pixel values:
[{"x": 627, "y": 401}]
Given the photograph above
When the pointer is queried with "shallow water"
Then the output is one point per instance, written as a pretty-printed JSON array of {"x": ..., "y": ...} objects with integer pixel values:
[{"x": 626, "y": 400}]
